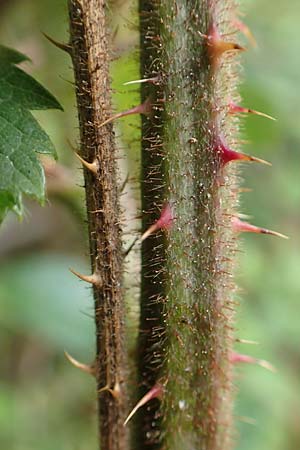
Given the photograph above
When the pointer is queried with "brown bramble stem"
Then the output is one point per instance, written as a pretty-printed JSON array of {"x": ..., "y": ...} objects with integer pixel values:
[{"x": 90, "y": 54}]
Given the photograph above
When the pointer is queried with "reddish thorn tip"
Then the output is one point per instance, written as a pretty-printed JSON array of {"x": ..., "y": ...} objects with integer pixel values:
[
  {"x": 164, "y": 222},
  {"x": 237, "y": 109},
  {"x": 227, "y": 155},
  {"x": 239, "y": 358},
  {"x": 241, "y": 226},
  {"x": 166, "y": 217},
  {"x": 144, "y": 108},
  {"x": 155, "y": 392}
]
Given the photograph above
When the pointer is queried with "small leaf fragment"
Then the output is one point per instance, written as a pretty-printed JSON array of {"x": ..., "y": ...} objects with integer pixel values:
[{"x": 21, "y": 136}]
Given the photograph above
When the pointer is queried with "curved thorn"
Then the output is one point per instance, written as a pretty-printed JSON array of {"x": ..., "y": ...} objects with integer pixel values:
[
  {"x": 241, "y": 226},
  {"x": 273, "y": 233},
  {"x": 142, "y": 80},
  {"x": 240, "y": 358},
  {"x": 236, "y": 109},
  {"x": 166, "y": 217},
  {"x": 266, "y": 365},
  {"x": 217, "y": 46},
  {"x": 92, "y": 279},
  {"x": 92, "y": 167},
  {"x": 116, "y": 116},
  {"x": 164, "y": 221},
  {"x": 154, "y": 227},
  {"x": 65, "y": 47},
  {"x": 227, "y": 155},
  {"x": 137, "y": 239},
  {"x": 90, "y": 369},
  {"x": 246, "y": 341},
  {"x": 155, "y": 392},
  {"x": 144, "y": 108},
  {"x": 115, "y": 392},
  {"x": 254, "y": 159},
  {"x": 104, "y": 389},
  {"x": 258, "y": 113}
]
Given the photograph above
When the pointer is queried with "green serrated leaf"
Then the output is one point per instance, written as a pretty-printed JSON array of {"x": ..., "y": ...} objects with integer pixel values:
[
  {"x": 17, "y": 125},
  {"x": 21, "y": 88},
  {"x": 21, "y": 136}
]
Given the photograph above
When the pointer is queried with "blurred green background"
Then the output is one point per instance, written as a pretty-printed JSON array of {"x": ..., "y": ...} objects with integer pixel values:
[{"x": 44, "y": 402}]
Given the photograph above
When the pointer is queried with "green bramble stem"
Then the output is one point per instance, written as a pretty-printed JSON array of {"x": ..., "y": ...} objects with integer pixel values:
[{"x": 186, "y": 301}]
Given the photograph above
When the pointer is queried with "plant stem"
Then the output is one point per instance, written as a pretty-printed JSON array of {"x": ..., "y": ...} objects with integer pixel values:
[
  {"x": 186, "y": 303},
  {"x": 149, "y": 355},
  {"x": 90, "y": 53}
]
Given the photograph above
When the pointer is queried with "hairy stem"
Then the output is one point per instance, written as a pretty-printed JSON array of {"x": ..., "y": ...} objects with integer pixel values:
[
  {"x": 185, "y": 337},
  {"x": 90, "y": 54},
  {"x": 151, "y": 322}
]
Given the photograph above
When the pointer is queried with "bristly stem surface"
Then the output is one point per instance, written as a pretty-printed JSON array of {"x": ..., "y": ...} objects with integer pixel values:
[
  {"x": 90, "y": 54},
  {"x": 185, "y": 331}
]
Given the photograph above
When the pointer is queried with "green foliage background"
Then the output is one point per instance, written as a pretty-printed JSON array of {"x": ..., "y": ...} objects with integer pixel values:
[{"x": 44, "y": 402}]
